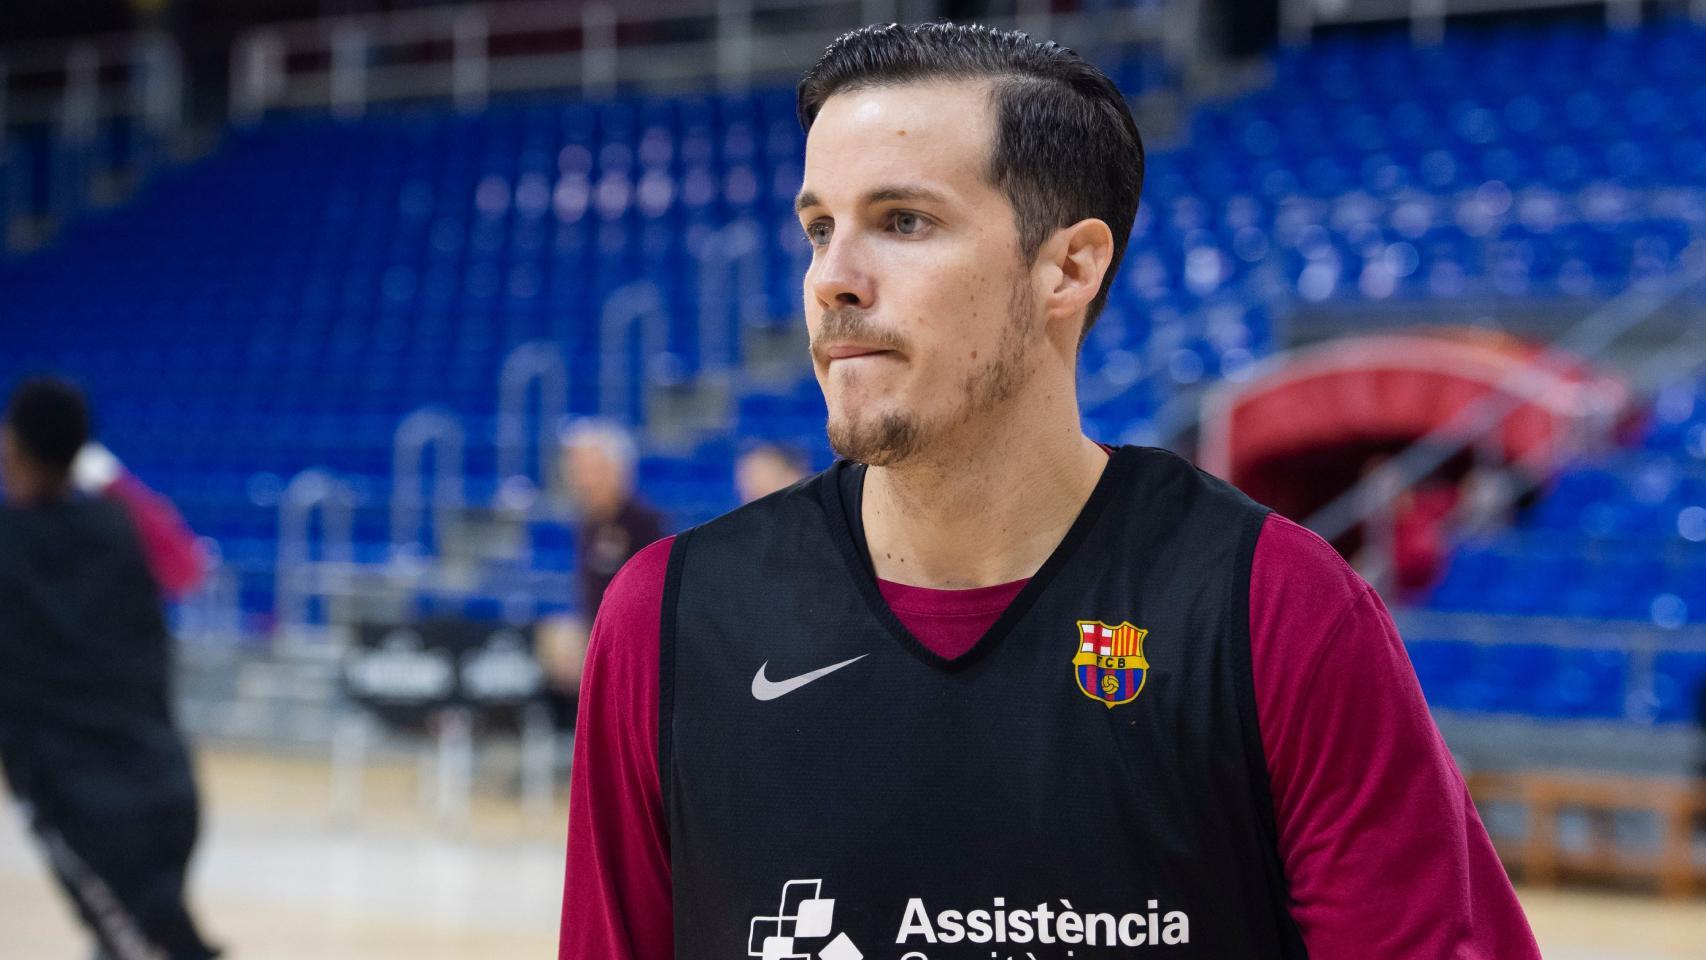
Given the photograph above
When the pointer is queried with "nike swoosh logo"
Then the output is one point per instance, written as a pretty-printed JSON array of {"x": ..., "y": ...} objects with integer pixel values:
[{"x": 763, "y": 689}]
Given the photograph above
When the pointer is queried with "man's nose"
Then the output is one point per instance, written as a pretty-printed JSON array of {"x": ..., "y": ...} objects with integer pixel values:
[{"x": 839, "y": 279}]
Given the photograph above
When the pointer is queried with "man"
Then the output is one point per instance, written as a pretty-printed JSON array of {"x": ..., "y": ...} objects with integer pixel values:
[
  {"x": 597, "y": 465},
  {"x": 87, "y": 738},
  {"x": 766, "y": 468},
  {"x": 985, "y": 687}
]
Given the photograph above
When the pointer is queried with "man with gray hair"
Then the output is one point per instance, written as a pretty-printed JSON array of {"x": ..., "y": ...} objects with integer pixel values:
[{"x": 597, "y": 460}]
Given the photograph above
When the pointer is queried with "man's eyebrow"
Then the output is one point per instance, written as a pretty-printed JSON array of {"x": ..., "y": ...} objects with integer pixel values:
[
  {"x": 894, "y": 193},
  {"x": 904, "y": 193}
]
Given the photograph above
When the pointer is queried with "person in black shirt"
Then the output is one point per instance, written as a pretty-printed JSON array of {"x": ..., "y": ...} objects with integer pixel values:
[
  {"x": 597, "y": 467},
  {"x": 1700, "y": 716},
  {"x": 87, "y": 740}
]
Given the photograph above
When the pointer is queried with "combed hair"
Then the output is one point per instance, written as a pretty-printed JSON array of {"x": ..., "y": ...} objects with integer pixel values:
[
  {"x": 1066, "y": 147},
  {"x": 50, "y": 420}
]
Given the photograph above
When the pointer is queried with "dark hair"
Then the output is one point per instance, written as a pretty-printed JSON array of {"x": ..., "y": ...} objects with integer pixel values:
[
  {"x": 1066, "y": 147},
  {"x": 50, "y": 420}
]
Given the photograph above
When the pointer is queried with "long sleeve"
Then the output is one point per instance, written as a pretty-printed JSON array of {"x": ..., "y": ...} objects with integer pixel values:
[
  {"x": 174, "y": 557},
  {"x": 616, "y": 891},
  {"x": 1384, "y": 853}
]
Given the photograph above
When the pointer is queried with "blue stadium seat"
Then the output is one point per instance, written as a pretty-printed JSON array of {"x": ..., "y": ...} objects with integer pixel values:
[{"x": 283, "y": 302}]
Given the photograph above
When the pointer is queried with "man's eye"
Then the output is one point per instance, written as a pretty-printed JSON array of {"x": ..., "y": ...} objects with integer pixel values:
[
  {"x": 908, "y": 223},
  {"x": 817, "y": 232}
]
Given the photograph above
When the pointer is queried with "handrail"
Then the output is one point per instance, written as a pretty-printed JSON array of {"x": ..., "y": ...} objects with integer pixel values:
[
  {"x": 260, "y": 77},
  {"x": 642, "y": 303},
  {"x": 1299, "y": 18},
  {"x": 1684, "y": 358},
  {"x": 424, "y": 23},
  {"x": 420, "y": 429},
  {"x": 151, "y": 85},
  {"x": 726, "y": 43},
  {"x": 48, "y": 56},
  {"x": 1585, "y": 340},
  {"x": 541, "y": 362},
  {"x": 308, "y": 492},
  {"x": 735, "y": 250}
]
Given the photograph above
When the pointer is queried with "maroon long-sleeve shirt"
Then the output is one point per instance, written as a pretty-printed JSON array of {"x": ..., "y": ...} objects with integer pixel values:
[
  {"x": 170, "y": 548},
  {"x": 1384, "y": 853}
]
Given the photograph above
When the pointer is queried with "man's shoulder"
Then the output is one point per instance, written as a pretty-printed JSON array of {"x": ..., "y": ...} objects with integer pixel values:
[
  {"x": 791, "y": 503},
  {"x": 1305, "y": 598},
  {"x": 637, "y": 589},
  {"x": 1290, "y": 554},
  {"x": 1161, "y": 468},
  {"x": 86, "y": 519}
]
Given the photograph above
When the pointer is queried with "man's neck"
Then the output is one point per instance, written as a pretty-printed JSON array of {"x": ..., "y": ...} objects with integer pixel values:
[
  {"x": 602, "y": 511},
  {"x": 962, "y": 516}
]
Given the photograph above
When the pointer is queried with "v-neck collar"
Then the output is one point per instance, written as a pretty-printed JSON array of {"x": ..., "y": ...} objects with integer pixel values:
[{"x": 843, "y": 494}]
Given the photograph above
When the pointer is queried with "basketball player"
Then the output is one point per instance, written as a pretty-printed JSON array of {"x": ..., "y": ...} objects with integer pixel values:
[
  {"x": 87, "y": 740},
  {"x": 986, "y": 687}
]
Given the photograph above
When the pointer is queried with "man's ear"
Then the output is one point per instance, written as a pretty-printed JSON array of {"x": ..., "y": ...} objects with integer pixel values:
[{"x": 1080, "y": 256}]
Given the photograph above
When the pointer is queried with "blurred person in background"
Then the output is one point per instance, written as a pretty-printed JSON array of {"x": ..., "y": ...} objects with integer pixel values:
[
  {"x": 767, "y": 468},
  {"x": 597, "y": 462},
  {"x": 87, "y": 738}
]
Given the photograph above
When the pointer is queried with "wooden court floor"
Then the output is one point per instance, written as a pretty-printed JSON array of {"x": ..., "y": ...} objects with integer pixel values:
[{"x": 279, "y": 878}]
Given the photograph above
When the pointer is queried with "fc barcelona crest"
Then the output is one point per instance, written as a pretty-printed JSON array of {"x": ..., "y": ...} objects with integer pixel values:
[{"x": 1110, "y": 667}]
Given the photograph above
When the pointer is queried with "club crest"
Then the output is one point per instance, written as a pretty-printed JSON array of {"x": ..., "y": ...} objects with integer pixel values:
[{"x": 1110, "y": 667}]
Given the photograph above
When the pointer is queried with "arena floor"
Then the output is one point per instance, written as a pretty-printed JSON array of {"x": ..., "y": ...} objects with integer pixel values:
[{"x": 280, "y": 879}]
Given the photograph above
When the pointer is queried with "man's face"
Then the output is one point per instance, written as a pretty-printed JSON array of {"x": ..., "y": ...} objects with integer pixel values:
[
  {"x": 921, "y": 313},
  {"x": 594, "y": 479}
]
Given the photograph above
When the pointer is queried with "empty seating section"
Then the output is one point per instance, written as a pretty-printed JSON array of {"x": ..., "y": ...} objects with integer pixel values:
[
  {"x": 1524, "y": 678},
  {"x": 1588, "y": 677},
  {"x": 1620, "y": 540},
  {"x": 284, "y": 302}
]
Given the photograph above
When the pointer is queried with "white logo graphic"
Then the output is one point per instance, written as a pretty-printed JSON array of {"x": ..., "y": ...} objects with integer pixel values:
[
  {"x": 400, "y": 669},
  {"x": 763, "y": 689},
  {"x": 809, "y": 917}
]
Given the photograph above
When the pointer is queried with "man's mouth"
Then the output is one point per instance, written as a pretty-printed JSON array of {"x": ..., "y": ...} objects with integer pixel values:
[{"x": 850, "y": 351}]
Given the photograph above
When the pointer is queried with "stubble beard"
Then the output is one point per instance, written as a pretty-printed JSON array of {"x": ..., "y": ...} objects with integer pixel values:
[{"x": 896, "y": 436}]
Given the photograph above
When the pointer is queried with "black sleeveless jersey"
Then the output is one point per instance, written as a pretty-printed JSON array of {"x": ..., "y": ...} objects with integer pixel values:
[{"x": 1087, "y": 781}]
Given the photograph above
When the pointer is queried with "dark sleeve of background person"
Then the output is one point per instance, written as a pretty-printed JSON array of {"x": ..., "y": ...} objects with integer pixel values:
[
  {"x": 1700, "y": 717},
  {"x": 645, "y": 524},
  {"x": 602, "y": 548}
]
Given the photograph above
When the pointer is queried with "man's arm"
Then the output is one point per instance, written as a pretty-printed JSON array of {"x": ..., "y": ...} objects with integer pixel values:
[
  {"x": 616, "y": 892},
  {"x": 1383, "y": 851},
  {"x": 174, "y": 556}
]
